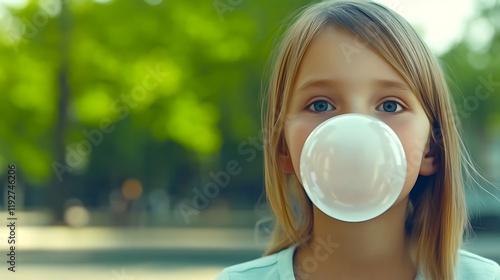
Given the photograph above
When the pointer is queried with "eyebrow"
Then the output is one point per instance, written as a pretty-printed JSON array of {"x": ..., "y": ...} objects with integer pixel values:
[
  {"x": 329, "y": 83},
  {"x": 391, "y": 84},
  {"x": 322, "y": 83}
]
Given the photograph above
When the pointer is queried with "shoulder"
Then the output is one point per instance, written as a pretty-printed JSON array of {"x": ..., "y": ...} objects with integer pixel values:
[
  {"x": 472, "y": 266},
  {"x": 256, "y": 269},
  {"x": 267, "y": 267}
]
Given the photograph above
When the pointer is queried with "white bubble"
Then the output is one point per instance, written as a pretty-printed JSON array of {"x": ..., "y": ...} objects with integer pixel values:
[{"x": 348, "y": 166}]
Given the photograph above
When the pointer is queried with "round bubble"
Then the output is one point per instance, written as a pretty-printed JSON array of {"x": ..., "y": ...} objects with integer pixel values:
[{"x": 353, "y": 167}]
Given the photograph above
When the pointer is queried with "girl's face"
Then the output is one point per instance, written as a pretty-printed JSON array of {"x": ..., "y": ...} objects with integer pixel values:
[{"x": 340, "y": 74}]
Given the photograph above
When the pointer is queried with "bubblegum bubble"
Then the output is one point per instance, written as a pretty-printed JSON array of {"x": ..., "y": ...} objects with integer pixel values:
[{"x": 353, "y": 167}]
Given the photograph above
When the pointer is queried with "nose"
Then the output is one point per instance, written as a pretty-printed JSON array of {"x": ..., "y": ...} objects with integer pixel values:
[{"x": 356, "y": 104}]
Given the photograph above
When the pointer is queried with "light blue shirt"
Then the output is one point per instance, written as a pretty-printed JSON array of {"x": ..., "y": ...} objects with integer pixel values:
[{"x": 279, "y": 266}]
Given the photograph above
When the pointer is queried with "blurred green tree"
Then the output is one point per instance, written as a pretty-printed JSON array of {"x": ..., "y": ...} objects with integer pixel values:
[{"x": 96, "y": 92}]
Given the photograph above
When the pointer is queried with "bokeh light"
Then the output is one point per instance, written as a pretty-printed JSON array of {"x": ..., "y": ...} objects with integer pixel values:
[
  {"x": 77, "y": 216},
  {"x": 131, "y": 189}
]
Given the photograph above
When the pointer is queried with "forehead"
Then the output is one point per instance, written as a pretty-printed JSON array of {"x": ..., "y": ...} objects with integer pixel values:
[{"x": 340, "y": 55}]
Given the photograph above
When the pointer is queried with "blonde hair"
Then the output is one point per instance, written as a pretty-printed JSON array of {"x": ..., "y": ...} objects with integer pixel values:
[{"x": 437, "y": 215}]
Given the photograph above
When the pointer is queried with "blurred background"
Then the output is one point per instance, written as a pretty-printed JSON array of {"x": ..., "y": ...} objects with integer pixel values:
[{"x": 134, "y": 128}]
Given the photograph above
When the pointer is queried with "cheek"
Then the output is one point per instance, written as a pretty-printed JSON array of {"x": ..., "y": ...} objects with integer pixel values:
[
  {"x": 296, "y": 133},
  {"x": 414, "y": 138}
]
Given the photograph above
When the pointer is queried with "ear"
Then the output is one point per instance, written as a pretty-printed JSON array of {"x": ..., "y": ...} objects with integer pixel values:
[
  {"x": 286, "y": 164},
  {"x": 429, "y": 163},
  {"x": 285, "y": 159}
]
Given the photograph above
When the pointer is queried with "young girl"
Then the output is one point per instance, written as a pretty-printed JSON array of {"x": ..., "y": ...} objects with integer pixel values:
[{"x": 360, "y": 57}]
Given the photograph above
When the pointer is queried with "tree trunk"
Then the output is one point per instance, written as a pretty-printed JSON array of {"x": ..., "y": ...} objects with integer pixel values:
[{"x": 58, "y": 190}]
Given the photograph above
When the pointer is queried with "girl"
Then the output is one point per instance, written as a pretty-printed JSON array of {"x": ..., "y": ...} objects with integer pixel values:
[{"x": 361, "y": 57}]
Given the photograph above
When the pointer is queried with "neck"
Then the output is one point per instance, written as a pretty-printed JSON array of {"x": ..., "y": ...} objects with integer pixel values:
[
  {"x": 376, "y": 239},
  {"x": 377, "y": 245}
]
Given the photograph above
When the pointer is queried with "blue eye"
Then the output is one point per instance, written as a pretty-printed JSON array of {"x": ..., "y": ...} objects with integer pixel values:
[
  {"x": 320, "y": 106},
  {"x": 390, "y": 106}
]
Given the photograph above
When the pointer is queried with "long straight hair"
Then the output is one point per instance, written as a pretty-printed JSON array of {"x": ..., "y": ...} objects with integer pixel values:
[{"x": 436, "y": 214}]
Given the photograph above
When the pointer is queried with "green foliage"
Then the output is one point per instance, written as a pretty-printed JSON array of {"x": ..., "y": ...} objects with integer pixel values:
[{"x": 208, "y": 64}]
